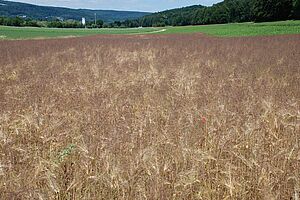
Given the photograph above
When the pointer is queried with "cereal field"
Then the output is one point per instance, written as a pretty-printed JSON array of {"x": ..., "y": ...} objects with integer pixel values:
[{"x": 152, "y": 117}]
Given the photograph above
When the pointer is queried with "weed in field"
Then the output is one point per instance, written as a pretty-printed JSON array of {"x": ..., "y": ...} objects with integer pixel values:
[{"x": 66, "y": 152}]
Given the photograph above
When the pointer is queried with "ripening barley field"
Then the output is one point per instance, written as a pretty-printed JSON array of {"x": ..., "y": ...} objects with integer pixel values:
[{"x": 152, "y": 117}]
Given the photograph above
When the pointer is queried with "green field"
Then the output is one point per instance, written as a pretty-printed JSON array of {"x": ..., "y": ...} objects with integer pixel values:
[
  {"x": 7, "y": 32},
  {"x": 242, "y": 29},
  {"x": 222, "y": 30}
]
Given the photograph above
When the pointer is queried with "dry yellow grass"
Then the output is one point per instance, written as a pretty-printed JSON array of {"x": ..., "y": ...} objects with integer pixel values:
[{"x": 150, "y": 117}]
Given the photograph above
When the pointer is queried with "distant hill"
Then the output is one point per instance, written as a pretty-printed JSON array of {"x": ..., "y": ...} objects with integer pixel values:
[
  {"x": 13, "y": 9},
  {"x": 223, "y": 12},
  {"x": 227, "y": 11},
  {"x": 173, "y": 17}
]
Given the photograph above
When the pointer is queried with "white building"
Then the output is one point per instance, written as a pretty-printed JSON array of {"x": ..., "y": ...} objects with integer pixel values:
[{"x": 83, "y": 21}]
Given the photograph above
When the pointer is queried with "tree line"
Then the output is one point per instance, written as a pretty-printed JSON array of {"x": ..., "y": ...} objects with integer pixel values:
[
  {"x": 228, "y": 11},
  {"x": 20, "y": 22}
]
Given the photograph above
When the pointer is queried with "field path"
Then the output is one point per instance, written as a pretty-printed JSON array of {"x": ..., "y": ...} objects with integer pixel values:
[{"x": 157, "y": 31}]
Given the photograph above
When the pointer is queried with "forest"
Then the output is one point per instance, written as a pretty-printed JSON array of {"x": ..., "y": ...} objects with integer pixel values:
[{"x": 228, "y": 11}]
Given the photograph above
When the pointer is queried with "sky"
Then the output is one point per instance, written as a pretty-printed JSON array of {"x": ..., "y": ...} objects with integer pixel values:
[{"x": 134, "y": 5}]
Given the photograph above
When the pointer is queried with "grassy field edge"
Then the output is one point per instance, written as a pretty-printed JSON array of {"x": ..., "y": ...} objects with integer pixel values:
[{"x": 220, "y": 30}]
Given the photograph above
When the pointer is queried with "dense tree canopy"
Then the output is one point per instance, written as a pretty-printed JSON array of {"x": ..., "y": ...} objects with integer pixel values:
[
  {"x": 228, "y": 11},
  {"x": 17, "y": 21},
  {"x": 296, "y": 9},
  {"x": 272, "y": 10}
]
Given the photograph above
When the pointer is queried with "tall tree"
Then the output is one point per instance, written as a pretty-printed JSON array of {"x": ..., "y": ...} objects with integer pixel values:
[
  {"x": 271, "y": 10},
  {"x": 296, "y": 9}
]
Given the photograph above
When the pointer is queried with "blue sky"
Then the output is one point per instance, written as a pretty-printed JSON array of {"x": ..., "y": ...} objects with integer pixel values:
[{"x": 139, "y": 5}]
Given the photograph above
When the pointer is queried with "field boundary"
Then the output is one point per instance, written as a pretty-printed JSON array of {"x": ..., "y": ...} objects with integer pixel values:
[
  {"x": 157, "y": 31},
  {"x": 217, "y": 30}
]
